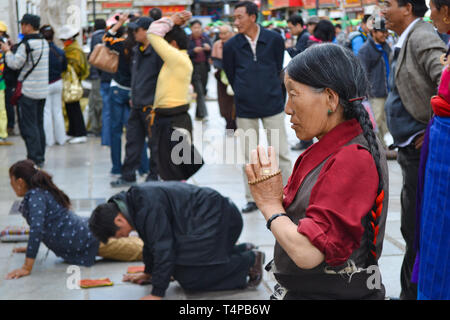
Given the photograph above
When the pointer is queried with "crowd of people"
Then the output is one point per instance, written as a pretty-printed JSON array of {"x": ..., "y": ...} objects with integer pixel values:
[{"x": 344, "y": 94}]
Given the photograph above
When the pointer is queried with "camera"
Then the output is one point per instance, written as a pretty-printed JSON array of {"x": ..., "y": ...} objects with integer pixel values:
[{"x": 130, "y": 16}]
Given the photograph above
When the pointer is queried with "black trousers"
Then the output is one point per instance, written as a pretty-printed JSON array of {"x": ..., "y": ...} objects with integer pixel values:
[
  {"x": 199, "y": 81},
  {"x": 409, "y": 160},
  {"x": 227, "y": 276},
  {"x": 31, "y": 125},
  {"x": 77, "y": 128},
  {"x": 137, "y": 131},
  {"x": 10, "y": 112}
]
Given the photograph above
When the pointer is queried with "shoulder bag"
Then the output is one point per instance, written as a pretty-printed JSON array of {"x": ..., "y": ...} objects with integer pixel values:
[
  {"x": 104, "y": 59},
  {"x": 18, "y": 90}
]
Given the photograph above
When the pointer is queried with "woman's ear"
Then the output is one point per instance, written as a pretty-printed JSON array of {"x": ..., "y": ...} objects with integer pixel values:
[{"x": 332, "y": 99}]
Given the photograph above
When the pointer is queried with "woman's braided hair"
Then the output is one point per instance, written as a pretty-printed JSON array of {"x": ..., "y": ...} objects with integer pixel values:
[{"x": 334, "y": 67}]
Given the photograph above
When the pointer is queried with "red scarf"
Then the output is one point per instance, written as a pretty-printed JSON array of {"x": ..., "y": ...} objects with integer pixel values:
[
  {"x": 68, "y": 42},
  {"x": 315, "y": 39},
  {"x": 317, "y": 153}
]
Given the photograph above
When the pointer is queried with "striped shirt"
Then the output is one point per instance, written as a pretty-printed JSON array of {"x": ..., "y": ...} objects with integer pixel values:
[{"x": 35, "y": 85}]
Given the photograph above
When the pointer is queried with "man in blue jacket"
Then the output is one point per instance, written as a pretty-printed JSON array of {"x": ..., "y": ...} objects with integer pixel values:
[
  {"x": 253, "y": 60},
  {"x": 102, "y": 84},
  {"x": 358, "y": 37},
  {"x": 297, "y": 28}
]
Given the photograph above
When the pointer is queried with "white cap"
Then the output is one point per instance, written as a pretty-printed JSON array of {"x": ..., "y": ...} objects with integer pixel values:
[{"x": 67, "y": 32}]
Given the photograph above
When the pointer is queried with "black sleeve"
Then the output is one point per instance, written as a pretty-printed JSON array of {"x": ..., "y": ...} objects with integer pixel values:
[
  {"x": 159, "y": 254},
  {"x": 302, "y": 43},
  {"x": 160, "y": 238},
  {"x": 228, "y": 62},
  {"x": 148, "y": 259}
]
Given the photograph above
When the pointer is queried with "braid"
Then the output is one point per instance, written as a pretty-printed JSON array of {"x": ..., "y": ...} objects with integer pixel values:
[
  {"x": 356, "y": 110},
  {"x": 331, "y": 66}
]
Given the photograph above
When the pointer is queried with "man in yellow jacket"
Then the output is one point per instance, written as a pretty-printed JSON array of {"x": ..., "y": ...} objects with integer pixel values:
[
  {"x": 172, "y": 94},
  {"x": 172, "y": 89}
]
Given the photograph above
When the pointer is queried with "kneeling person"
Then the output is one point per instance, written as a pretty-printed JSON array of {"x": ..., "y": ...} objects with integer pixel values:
[{"x": 189, "y": 233}]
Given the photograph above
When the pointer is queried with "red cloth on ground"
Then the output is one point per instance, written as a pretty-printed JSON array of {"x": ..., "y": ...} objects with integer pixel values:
[{"x": 343, "y": 194}]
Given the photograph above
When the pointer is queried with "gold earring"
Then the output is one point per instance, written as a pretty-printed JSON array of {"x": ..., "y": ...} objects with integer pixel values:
[{"x": 446, "y": 20}]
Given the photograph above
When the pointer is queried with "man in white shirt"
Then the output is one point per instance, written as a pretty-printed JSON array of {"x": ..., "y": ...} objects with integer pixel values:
[{"x": 253, "y": 60}]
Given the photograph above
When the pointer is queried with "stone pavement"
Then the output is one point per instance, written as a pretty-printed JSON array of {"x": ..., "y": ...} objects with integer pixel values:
[{"x": 82, "y": 171}]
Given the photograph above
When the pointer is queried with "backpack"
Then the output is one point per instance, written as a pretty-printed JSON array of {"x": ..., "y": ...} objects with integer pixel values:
[
  {"x": 11, "y": 76},
  {"x": 350, "y": 38}
]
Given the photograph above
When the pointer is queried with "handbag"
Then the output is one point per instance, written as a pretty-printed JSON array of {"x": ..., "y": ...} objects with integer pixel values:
[
  {"x": 72, "y": 89},
  {"x": 18, "y": 89},
  {"x": 104, "y": 59}
]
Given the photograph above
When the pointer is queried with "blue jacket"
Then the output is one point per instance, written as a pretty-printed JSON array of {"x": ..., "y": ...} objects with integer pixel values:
[
  {"x": 255, "y": 79},
  {"x": 57, "y": 63},
  {"x": 301, "y": 45},
  {"x": 60, "y": 229},
  {"x": 97, "y": 37},
  {"x": 358, "y": 41},
  {"x": 376, "y": 68}
]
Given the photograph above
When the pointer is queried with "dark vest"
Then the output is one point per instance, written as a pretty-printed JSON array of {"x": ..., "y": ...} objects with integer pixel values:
[{"x": 322, "y": 282}]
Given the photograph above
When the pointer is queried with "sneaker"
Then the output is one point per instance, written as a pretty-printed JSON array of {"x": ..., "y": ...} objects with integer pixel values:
[
  {"x": 78, "y": 140},
  {"x": 204, "y": 119},
  {"x": 4, "y": 142},
  {"x": 40, "y": 165},
  {"x": 120, "y": 183},
  {"x": 249, "y": 207},
  {"x": 152, "y": 177}
]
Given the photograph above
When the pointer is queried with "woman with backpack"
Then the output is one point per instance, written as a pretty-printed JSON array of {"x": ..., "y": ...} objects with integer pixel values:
[
  {"x": 53, "y": 116},
  {"x": 76, "y": 60}
]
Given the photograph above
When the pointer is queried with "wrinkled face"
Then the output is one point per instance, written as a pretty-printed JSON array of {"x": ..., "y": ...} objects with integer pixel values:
[
  {"x": 308, "y": 109},
  {"x": 140, "y": 34},
  {"x": 295, "y": 29},
  {"x": 196, "y": 30},
  {"x": 393, "y": 14},
  {"x": 242, "y": 21},
  {"x": 438, "y": 17},
  {"x": 18, "y": 185}
]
